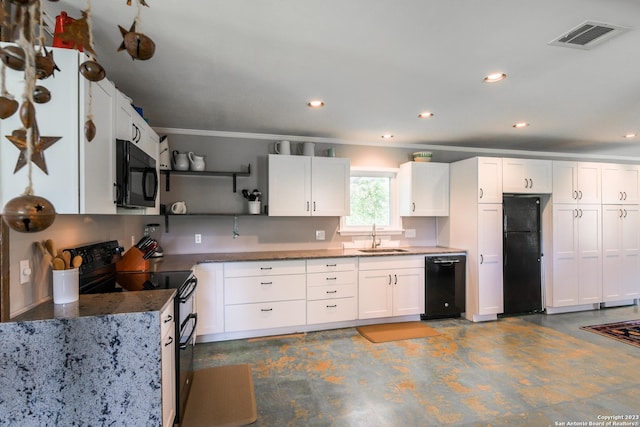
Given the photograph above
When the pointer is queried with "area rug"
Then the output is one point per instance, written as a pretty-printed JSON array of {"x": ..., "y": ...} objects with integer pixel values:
[
  {"x": 396, "y": 331},
  {"x": 221, "y": 396},
  {"x": 627, "y": 332}
]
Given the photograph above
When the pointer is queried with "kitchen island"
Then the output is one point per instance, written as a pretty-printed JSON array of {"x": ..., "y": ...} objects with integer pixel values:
[{"x": 96, "y": 361}]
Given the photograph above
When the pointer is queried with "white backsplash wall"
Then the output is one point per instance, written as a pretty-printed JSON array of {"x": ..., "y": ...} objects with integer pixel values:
[{"x": 66, "y": 231}]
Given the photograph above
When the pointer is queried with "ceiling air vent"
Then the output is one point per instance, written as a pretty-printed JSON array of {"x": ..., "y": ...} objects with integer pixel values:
[{"x": 588, "y": 35}]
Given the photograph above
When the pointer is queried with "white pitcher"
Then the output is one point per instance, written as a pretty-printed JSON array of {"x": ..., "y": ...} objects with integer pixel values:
[
  {"x": 180, "y": 161},
  {"x": 196, "y": 162}
]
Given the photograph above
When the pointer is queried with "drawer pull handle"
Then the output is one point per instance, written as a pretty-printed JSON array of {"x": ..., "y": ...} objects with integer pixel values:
[
  {"x": 169, "y": 342},
  {"x": 168, "y": 319},
  {"x": 332, "y": 292},
  {"x": 266, "y": 268},
  {"x": 266, "y": 309},
  {"x": 332, "y": 306},
  {"x": 332, "y": 265},
  {"x": 332, "y": 278},
  {"x": 266, "y": 283}
]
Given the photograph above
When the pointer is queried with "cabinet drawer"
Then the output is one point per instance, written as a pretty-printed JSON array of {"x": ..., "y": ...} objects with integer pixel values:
[
  {"x": 167, "y": 320},
  {"x": 242, "y": 290},
  {"x": 331, "y": 291},
  {"x": 338, "y": 277},
  {"x": 333, "y": 310},
  {"x": 325, "y": 265},
  {"x": 263, "y": 316},
  {"x": 391, "y": 262},
  {"x": 263, "y": 268}
]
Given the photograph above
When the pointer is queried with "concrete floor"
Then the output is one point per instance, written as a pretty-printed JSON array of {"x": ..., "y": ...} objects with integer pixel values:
[{"x": 533, "y": 370}]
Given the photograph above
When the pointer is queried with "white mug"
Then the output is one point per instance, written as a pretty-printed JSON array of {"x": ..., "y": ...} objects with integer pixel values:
[
  {"x": 283, "y": 147},
  {"x": 179, "y": 208},
  {"x": 308, "y": 149}
]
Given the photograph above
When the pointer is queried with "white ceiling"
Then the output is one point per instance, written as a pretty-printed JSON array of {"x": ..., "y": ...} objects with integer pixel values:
[{"x": 244, "y": 66}]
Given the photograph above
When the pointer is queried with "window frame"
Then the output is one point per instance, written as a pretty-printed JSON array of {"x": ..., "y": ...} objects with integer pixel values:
[{"x": 396, "y": 220}]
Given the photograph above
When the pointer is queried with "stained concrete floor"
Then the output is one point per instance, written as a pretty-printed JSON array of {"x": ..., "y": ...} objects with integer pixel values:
[{"x": 533, "y": 370}]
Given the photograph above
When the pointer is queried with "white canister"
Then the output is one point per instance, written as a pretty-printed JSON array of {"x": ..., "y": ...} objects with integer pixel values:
[
  {"x": 308, "y": 149},
  {"x": 66, "y": 285},
  {"x": 254, "y": 207},
  {"x": 283, "y": 147}
]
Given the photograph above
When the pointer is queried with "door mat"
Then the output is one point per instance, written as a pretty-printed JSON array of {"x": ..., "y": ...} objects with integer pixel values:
[
  {"x": 396, "y": 331},
  {"x": 627, "y": 332},
  {"x": 221, "y": 396}
]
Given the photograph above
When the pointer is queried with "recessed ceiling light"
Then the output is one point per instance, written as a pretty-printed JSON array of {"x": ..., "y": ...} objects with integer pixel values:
[
  {"x": 387, "y": 136},
  {"x": 315, "y": 103},
  {"x": 630, "y": 135},
  {"x": 425, "y": 115},
  {"x": 521, "y": 125},
  {"x": 495, "y": 77}
]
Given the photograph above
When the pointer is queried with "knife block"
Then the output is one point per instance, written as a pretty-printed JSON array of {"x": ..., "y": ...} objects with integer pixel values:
[{"x": 132, "y": 260}]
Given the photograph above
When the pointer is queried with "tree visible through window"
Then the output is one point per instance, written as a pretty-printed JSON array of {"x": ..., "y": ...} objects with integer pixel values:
[{"x": 370, "y": 201}]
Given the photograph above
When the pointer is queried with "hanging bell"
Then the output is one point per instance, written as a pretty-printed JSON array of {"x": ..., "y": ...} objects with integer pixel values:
[
  {"x": 41, "y": 95},
  {"x": 137, "y": 45},
  {"x": 8, "y": 107},
  {"x": 92, "y": 71},
  {"x": 89, "y": 130},
  {"x": 28, "y": 213},
  {"x": 27, "y": 114},
  {"x": 13, "y": 57}
]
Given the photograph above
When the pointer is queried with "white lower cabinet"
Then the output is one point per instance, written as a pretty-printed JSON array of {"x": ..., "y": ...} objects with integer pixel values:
[
  {"x": 577, "y": 255},
  {"x": 331, "y": 290},
  {"x": 390, "y": 286},
  {"x": 264, "y": 295},
  {"x": 620, "y": 252},
  {"x": 168, "y": 362},
  {"x": 209, "y": 298}
]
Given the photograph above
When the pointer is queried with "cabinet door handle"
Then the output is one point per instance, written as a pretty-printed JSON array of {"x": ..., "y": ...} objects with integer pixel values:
[
  {"x": 332, "y": 306},
  {"x": 266, "y": 283},
  {"x": 526, "y": 183},
  {"x": 625, "y": 195},
  {"x": 389, "y": 280},
  {"x": 580, "y": 212},
  {"x": 396, "y": 279},
  {"x": 625, "y": 213},
  {"x": 266, "y": 309},
  {"x": 620, "y": 196},
  {"x": 332, "y": 292},
  {"x": 413, "y": 206},
  {"x": 266, "y": 268},
  {"x": 575, "y": 194},
  {"x": 481, "y": 259},
  {"x": 530, "y": 183},
  {"x": 169, "y": 341},
  {"x": 331, "y": 265},
  {"x": 332, "y": 278},
  {"x": 579, "y": 194},
  {"x": 481, "y": 193},
  {"x": 307, "y": 206},
  {"x": 619, "y": 213},
  {"x": 314, "y": 205},
  {"x": 168, "y": 319}
]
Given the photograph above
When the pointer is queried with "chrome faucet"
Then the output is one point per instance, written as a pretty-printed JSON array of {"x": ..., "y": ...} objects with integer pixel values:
[{"x": 374, "y": 243}]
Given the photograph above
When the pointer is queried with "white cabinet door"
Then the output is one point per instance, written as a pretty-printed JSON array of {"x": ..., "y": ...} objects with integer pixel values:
[
  {"x": 98, "y": 157},
  {"x": 289, "y": 185},
  {"x": 209, "y": 298},
  {"x": 620, "y": 184},
  {"x": 330, "y": 178},
  {"x": 620, "y": 252},
  {"x": 566, "y": 288},
  {"x": 424, "y": 189},
  {"x": 408, "y": 291},
  {"x": 590, "y": 253},
  {"x": 57, "y": 118},
  {"x": 490, "y": 289},
  {"x": 489, "y": 180},
  {"x": 526, "y": 176},
  {"x": 375, "y": 294},
  {"x": 589, "y": 183},
  {"x": 576, "y": 182},
  {"x": 168, "y": 363}
]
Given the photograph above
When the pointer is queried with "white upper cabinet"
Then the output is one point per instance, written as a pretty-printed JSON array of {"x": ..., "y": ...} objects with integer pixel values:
[
  {"x": 620, "y": 184},
  {"x": 526, "y": 176},
  {"x": 308, "y": 186},
  {"x": 424, "y": 189},
  {"x": 489, "y": 179},
  {"x": 576, "y": 182},
  {"x": 80, "y": 174}
]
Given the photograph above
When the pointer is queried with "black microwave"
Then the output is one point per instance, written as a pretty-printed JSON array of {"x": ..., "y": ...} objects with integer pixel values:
[{"x": 136, "y": 176}]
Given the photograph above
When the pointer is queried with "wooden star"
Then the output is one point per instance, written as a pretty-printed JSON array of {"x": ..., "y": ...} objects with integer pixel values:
[
  {"x": 40, "y": 143},
  {"x": 124, "y": 32},
  {"x": 78, "y": 33}
]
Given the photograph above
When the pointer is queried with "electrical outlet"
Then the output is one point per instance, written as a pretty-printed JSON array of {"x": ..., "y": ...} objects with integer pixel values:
[
  {"x": 319, "y": 234},
  {"x": 25, "y": 271},
  {"x": 410, "y": 233},
  {"x": 198, "y": 238}
]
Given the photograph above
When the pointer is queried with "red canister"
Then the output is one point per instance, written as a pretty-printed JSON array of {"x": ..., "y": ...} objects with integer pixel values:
[{"x": 63, "y": 21}]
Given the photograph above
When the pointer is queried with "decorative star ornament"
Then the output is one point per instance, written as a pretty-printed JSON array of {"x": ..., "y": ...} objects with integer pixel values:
[
  {"x": 40, "y": 143},
  {"x": 78, "y": 33}
]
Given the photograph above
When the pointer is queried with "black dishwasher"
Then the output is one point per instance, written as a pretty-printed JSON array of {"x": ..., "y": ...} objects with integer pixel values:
[{"x": 445, "y": 286}]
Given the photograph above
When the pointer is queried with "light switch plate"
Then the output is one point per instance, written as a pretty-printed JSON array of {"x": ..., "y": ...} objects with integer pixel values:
[
  {"x": 319, "y": 234},
  {"x": 25, "y": 271}
]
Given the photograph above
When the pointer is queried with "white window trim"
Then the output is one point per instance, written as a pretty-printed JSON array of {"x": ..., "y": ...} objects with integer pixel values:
[{"x": 396, "y": 226}]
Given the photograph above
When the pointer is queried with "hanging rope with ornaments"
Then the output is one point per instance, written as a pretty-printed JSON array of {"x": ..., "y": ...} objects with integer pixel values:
[{"x": 29, "y": 213}]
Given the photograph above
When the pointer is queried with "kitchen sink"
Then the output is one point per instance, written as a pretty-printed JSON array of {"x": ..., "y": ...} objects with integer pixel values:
[{"x": 383, "y": 250}]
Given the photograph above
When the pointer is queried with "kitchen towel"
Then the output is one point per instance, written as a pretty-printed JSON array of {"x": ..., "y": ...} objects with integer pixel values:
[{"x": 396, "y": 331}]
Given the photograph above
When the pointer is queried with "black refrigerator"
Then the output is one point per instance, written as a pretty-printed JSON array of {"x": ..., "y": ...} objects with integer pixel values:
[{"x": 522, "y": 255}]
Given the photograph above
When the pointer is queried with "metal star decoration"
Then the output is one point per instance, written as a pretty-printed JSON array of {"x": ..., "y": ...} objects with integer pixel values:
[
  {"x": 40, "y": 143},
  {"x": 78, "y": 33}
]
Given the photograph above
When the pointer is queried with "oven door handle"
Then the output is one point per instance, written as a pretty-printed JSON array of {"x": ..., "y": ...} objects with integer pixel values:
[
  {"x": 194, "y": 316},
  {"x": 188, "y": 289}
]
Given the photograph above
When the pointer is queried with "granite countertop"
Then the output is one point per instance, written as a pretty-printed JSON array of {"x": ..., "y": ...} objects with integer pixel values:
[
  {"x": 187, "y": 261},
  {"x": 100, "y": 305}
]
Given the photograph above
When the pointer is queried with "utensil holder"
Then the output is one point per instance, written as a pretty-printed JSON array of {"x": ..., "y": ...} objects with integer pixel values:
[
  {"x": 254, "y": 208},
  {"x": 66, "y": 285}
]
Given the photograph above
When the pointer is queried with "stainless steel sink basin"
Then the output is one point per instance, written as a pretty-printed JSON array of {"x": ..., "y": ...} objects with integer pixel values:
[{"x": 383, "y": 250}]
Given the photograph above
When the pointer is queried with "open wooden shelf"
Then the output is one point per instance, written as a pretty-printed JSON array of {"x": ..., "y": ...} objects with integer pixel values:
[{"x": 232, "y": 174}]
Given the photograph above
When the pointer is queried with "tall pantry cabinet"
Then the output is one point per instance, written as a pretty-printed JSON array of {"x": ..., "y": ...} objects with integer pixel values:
[{"x": 475, "y": 224}]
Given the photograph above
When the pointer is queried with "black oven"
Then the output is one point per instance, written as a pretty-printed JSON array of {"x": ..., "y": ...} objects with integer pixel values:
[
  {"x": 98, "y": 275},
  {"x": 136, "y": 176}
]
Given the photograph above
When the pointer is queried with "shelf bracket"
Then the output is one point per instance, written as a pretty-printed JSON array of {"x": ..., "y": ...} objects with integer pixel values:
[
  {"x": 166, "y": 223},
  {"x": 167, "y": 181},
  {"x": 234, "y": 182}
]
